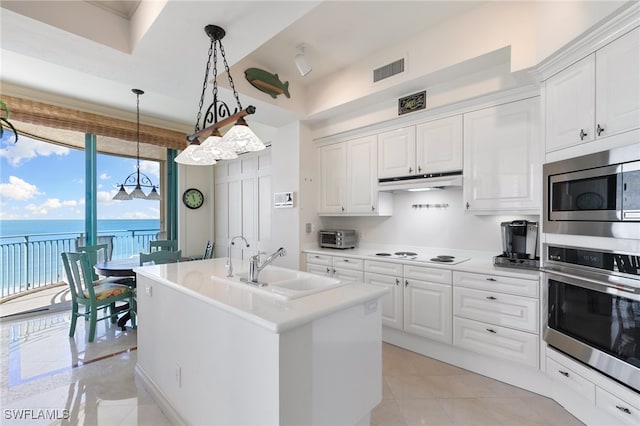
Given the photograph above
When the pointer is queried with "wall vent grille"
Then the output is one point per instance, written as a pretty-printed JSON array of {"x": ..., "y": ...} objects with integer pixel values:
[{"x": 388, "y": 70}]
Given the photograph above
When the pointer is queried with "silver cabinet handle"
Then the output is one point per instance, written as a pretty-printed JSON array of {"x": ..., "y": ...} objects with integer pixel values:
[
  {"x": 491, "y": 279},
  {"x": 583, "y": 134},
  {"x": 406, "y": 283},
  {"x": 345, "y": 260},
  {"x": 410, "y": 169},
  {"x": 564, "y": 373},
  {"x": 623, "y": 409},
  {"x": 492, "y": 298},
  {"x": 328, "y": 270},
  {"x": 316, "y": 256},
  {"x": 599, "y": 130},
  {"x": 491, "y": 330},
  {"x": 373, "y": 208},
  {"x": 397, "y": 281},
  {"x": 419, "y": 169}
]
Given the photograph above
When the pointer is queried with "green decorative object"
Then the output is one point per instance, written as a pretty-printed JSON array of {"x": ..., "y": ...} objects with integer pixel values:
[
  {"x": 4, "y": 121},
  {"x": 267, "y": 82}
]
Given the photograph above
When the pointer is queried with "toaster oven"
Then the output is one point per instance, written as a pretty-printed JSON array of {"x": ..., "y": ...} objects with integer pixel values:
[{"x": 338, "y": 238}]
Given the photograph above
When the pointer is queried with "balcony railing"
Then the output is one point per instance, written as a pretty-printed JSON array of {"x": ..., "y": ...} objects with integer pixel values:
[{"x": 30, "y": 262}]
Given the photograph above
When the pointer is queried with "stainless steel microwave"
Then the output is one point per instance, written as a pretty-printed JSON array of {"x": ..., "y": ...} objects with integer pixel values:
[
  {"x": 338, "y": 238},
  {"x": 596, "y": 194}
]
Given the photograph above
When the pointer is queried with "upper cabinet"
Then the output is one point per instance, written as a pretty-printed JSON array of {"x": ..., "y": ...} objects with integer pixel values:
[
  {"x": 348, "y": 183},
  {"x": 431, "y": 147},
  {"x": 596, "y": 97},
  {"x": 503, "y": 158}
]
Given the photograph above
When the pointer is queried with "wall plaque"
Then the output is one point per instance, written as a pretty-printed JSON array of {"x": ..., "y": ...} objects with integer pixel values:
[{"x": 412, "y": 103}]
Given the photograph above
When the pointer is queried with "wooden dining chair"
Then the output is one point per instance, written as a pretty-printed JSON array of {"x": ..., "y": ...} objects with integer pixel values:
[
  {"x": 80, "y": 276},
  {"x": 158, "y": 245},
  {"x": 100, "y": 253},
  {"x": 160, "y": 257}
]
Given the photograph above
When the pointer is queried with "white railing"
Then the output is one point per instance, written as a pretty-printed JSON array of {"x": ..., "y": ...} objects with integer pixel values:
[{"x": 30, "y": 262}]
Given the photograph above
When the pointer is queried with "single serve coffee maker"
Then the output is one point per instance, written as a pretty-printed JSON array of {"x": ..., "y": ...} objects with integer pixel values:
[{"x": 519, "y": 245}]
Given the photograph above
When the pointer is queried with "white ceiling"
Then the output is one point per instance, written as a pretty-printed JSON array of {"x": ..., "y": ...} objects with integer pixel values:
[{"x": 67, "y": 47}]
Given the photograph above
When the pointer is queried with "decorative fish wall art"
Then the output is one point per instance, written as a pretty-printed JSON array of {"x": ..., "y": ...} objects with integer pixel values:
[{"x": 267, "y": 82}]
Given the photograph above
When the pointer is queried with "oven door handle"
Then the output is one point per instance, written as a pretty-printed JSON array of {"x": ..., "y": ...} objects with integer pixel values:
[{"x": 593, "y": 284}]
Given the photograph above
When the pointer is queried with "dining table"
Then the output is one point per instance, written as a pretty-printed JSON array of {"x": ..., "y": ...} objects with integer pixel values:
[{"x": 119, "y": 268}]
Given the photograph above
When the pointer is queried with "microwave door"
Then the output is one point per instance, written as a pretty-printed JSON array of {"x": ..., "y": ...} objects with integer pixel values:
[
  {"x": 586, "y": 195},
  {"x": 631, "y": 191}
]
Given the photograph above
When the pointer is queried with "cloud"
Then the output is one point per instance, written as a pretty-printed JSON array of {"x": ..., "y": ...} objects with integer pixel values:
[
  {"x": 51, "y": 204},
  {"x": 106, "y": 197},
  {"x": 27, "y": 149},
  {"x": 18, "y": 189},
  {"x": 150, "y": 168},
  {"x": 104, "y": 176}
]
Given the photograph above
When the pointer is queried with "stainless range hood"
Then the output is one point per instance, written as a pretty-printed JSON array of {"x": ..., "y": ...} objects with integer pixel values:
[{"x": 421, "y": 182}]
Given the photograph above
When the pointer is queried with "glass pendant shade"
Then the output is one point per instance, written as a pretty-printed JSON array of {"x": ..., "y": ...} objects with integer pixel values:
[
  {"x": 194, "y": 155},
  {"x": 138, "y": 193},
  {"x": 241, "y": 138},
  {"x": 213, "y": 144},
  {"x": 122, "y": 194},
  {"x": 153, "y": 195}
]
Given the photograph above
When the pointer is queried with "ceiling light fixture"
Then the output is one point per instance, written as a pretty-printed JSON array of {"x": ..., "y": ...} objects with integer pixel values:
[
  {"x": 301, "y": 61},
  {"x": 239, "y": 138},
  {"x": 137, "y": 180}
]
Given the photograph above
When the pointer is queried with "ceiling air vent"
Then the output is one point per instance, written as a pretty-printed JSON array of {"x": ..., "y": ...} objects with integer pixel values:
[{"x": 388, "y": 70}]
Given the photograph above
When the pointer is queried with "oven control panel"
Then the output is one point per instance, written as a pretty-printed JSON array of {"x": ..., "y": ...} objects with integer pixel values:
[{"x": 625, "y": 263}]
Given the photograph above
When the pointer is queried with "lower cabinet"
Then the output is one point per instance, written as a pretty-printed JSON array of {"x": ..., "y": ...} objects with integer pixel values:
[
  {"x": 620, "y": 404},
  {"x": 419, "y": 300},
  {"x": 497, "y": 316},
  {"x": 339, "y": 267}
]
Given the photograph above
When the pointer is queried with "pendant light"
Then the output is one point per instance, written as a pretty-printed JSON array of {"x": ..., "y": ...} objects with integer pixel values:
[
  {"x": 239, "y": 138},
  {"x": 137, "y": 180}
]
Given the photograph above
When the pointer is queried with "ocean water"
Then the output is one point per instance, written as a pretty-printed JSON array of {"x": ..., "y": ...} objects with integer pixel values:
[{"x": 63, "y": 226}]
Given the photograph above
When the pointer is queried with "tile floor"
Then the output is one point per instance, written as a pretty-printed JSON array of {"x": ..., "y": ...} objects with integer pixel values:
[{"x": 51, "y": 379}]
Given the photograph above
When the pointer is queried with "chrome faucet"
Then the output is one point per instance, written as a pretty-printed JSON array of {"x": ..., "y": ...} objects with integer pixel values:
[
  {"x": 255, "y": 267},
  {"x": 228, "y": 265}
]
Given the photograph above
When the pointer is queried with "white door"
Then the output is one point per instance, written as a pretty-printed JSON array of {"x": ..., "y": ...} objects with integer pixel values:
[
  {"x": 503, "y": 157},
  {"x": 569, "y": 101},
  {"x": 427, "y": 309},
  {"x": 397, "y": 152},
  {"x": 362, "y": 167},
  {"x": 439, "y": 145},
  {"x": 618, "y": 85},
  {"x": 333, "y": 172},
  {"x": 392, "y": 301}
]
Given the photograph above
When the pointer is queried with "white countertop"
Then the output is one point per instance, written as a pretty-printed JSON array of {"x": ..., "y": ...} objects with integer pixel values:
[
  {"x": 478, "y": 261},
  {"x": 206, "y": 280}
]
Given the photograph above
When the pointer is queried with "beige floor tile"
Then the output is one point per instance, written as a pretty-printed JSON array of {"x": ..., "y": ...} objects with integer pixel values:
[
  {"x": 387, "y": 413},
  {"x": 424, "y": 412},
  {"x": 409, "y": 387},
  {"x": 469, "y": 412}
]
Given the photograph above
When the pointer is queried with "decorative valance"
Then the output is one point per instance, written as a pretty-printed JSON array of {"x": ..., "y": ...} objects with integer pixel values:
[{"x": 58, "y": 117}]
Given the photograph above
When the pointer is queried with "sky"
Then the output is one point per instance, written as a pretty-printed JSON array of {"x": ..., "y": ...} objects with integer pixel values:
[{"x": 40, "y": 180}]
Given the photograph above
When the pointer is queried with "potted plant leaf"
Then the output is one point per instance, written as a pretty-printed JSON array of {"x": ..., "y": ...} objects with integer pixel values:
[{"x": 4, "y": 121}]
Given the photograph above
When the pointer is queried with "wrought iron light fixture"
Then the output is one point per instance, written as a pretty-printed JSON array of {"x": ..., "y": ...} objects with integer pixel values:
[
  {"x": 239, "y": 138},
  {"x": 137, "y": 180}
]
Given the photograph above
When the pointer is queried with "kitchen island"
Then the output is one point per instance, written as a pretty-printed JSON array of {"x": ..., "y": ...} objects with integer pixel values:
[{"x": 215, "y": 350}]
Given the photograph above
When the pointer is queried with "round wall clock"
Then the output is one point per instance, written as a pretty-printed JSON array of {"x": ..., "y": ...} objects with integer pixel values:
[{"x": 193, "y": 198}]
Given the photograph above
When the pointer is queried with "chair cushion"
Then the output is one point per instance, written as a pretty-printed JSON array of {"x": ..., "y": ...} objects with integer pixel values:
[
  {"x": 108, "y": 290},
  {"x": 115, "y": 280}
]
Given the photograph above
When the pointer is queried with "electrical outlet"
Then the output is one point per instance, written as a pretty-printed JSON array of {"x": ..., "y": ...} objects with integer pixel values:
[
  {"x": 307, "y": 228},
  {"x": 148, "y": 290},
  {"x": 179, "y": 375}
]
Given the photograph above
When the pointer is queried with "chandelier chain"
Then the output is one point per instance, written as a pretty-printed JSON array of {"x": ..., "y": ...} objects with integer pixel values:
[
  {"x": 138, "y": 131},
  {"x": 204, "y": 85},
  {"x": 215, "y": 82},
  {"x": 226, "y": 68}
]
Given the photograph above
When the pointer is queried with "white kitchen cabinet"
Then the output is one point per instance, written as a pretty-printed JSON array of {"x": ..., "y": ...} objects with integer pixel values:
[
  {"x": 392, "y": 302},
  {"x": 343, "y": 268},
  {"x": 596, "y": 97},
  {"x": 439, "y": 145},
  {"x": 431, "y": 147},
  {"x": 427, "y": 309},
  {"x": 624, "y": 412},
  {"x": 348, "y": 179},
  {"x": 397, "y": 152},
  {"x": 503, "y": 159},
  {"x": 497, "y": 315}
]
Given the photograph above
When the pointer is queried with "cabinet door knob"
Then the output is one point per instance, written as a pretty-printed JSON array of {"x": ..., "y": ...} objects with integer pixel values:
[
  {"x": 328, "y": 270},
  {"x": 406, "y": 283},
  {"x": 342, "y": 208},
  {"x": 623, "y": 409},
  {"x": 467, "y": 205},
  {"x": 410, "y": 169},
  {"x": 345, "y": 260},
  {"x": 373, "y": 208},
  {"x": 583, "y": 134},
  {"x": 491, "y": 330},
  {"x": 419, "y": 169},
  {"x": 492, "y": 298},
  {"x": 491, "y": 279},
  {"x": 600, "y": 130},
  {"x": 564, "y": 373},
  {"x": 397, "y": 281}
]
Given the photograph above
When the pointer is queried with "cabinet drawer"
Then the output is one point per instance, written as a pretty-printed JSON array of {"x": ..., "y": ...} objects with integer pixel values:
[
  {"x": 571, "y": 379},
  {"x": 319, "y": 269},
  {"x": 434, "y": 275},
  {"x": 319, "y": 259},
  {"x": 350, "y": 275},
  {"x": 517, "y": 286},
  {"x": 496, "y": 341},
  {"x": 384, "y": 268},
  {"x": 496, "y": 308},
  {"x": 348, "y": 263},
  {"x": 621, "y": 410}
]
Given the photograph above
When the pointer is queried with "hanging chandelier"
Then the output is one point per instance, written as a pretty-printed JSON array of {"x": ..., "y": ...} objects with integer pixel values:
[
  {"x": 137, "y": 180},
  {"x": 239, "y": 138}
]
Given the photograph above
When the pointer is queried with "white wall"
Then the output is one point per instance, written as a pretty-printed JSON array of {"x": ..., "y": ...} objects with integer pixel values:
[
  {"x": 449, "y": 227},
  {"x": 195, "y": 227}
]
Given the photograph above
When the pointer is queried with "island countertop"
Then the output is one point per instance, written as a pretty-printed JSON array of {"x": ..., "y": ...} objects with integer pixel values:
[{"x": 206, "y": 280}]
